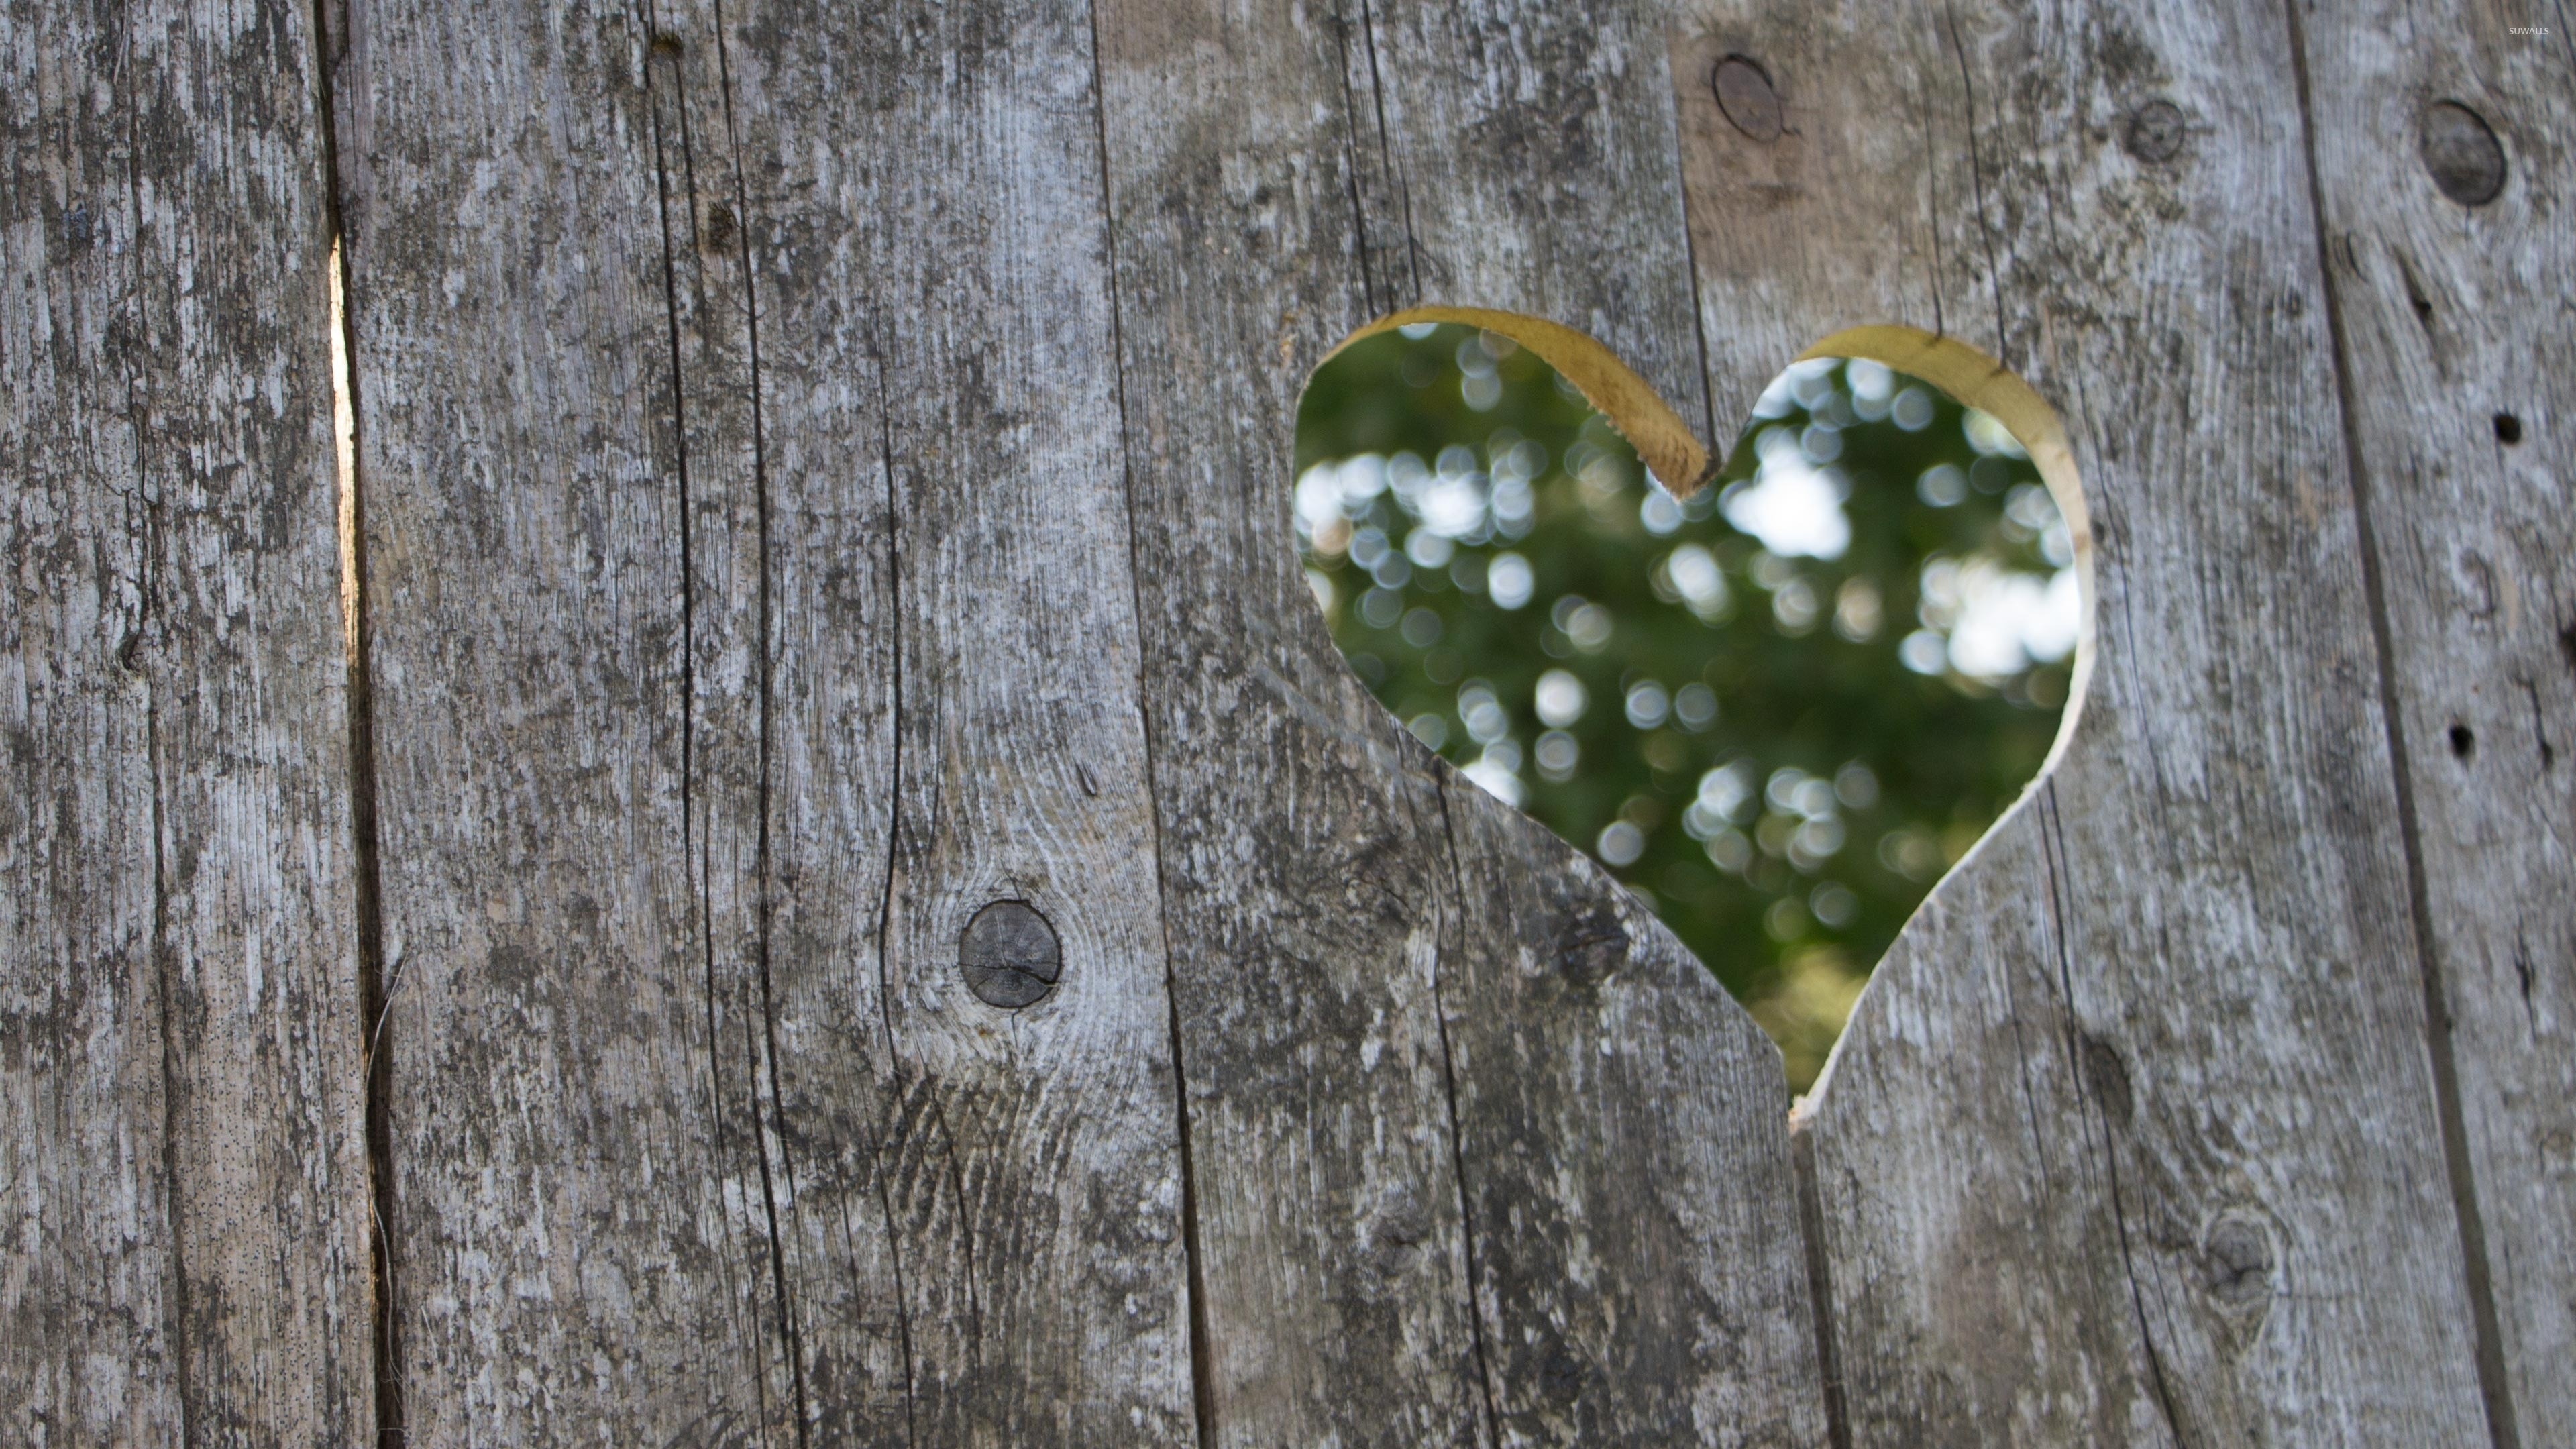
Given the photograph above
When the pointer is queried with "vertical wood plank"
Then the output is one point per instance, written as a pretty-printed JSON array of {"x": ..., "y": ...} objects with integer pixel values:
[
  {"x": 800, "y": 631},
  {"x": 580, "y": 1231},
  {"x": 2442, "y": 140},
  {"x": 1529, "y": 160},
  {"x": 1394, "y": 993},
  {"x": 181, "y": 1090},
  {"x": 2134, "y": 1138},
  {"x": 1304, "y": 879},
  {"x": 1023, "y": 774},
  {"x": 1614, "y": 1107},
  {"x": 792, "y": 554}
]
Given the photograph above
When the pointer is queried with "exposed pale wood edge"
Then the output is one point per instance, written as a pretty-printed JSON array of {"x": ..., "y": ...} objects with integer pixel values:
[
  {"x": 1312, "y": 889},
  {"x": 180, "y": 1108},
  {"x": 1980, "y": 381},
  {"x": 1525, "y": 163},
  {"x": 2450, "y": 318},
  {"x": 2032, "y": 1148},
  {"x": 1678, "y": 459},
  {"x": 367, "y": 893}
]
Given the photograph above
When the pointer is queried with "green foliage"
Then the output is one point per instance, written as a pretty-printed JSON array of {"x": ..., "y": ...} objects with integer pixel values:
[{"x": 1754, "y": 755}]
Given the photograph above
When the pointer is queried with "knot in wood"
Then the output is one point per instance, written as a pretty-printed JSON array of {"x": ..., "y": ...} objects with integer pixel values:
[
  {"x": 1590, "y": 948},
  {"x": 1010, "y": 955},
  {"x": 2108, "y": 1078},
  {"x": 2461, "y": 151},
  {"x": 2239, "y": 1258},
  {"x": 1747, "y": 98},
  {"x": 2155, "y": 132}
]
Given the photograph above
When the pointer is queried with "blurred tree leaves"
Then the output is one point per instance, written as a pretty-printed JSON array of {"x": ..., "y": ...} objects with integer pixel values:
[{"x": 1779, "y": 748}]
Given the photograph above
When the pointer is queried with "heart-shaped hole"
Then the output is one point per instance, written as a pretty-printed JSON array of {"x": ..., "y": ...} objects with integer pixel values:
[{"x": 1778, "y": 701}]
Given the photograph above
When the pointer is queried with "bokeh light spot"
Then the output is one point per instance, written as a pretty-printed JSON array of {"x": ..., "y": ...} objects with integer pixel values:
[{"x": 1778, "y": 710}]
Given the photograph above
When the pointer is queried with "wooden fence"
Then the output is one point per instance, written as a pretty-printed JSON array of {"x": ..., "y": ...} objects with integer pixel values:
[{"x": 839, "y": 892}]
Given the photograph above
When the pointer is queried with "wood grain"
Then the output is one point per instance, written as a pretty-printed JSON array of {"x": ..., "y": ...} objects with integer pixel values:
[
  {"x": 2454, "y": 337},
  {"x": 765, "y": 371},
  {"x": 1639, "y": 1274},
  {"x": 1479, "y": 1156},
  {"x": 824, "y": 473},
  {"x": 1302, "y": 881},
  {"x": 1023, "y": 772},
  {"x": 181, "y": 1090},
  {"x": 2135, "y": 1136},
  {"x": 575, "y": 1197}
]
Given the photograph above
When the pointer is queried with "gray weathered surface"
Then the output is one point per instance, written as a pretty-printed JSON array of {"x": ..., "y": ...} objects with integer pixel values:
[
  {"x": 2457, "y": 331},
  {"x": 825, "y": 473},
  {"x": 1302, "y": 887},
  {"x": 181, "y": 1116},
  {"x": 579, "y": 1232},
  {"x": 760, "y": 364},
  {"x": 1619, "y": 1120},
  {"x": 1389, "y": 985},
  {"x": 2134, "y": 1138}
]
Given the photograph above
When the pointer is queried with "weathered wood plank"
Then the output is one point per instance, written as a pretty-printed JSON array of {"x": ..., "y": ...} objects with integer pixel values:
[
  {"x": 1022, "y": 773},
  {"x": 1640, "y": 1274},
  {"x": 793, "y": 728},
  {"x": 2134, "y": 1138},
  {"x": 1302, "y": 877},
  {"x": 1622, "y": 1128},
  {"x": 579, "y": 1236},
  {"x": 2454, "y": 329},
  {"x": 798, "y": 631},
  {"x": 1531, "y": 163},
  {"x": 1416, "y": 1210},
  {"x": 181, "y": 1095}
]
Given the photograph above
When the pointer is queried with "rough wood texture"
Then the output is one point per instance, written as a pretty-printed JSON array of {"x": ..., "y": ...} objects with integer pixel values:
[
  {"x": 1022, "y": 770},
  {"x": 578, "y": 1221},
  {"x": 2458, "y": 339},
  {"x": 1470, "y": 1135},
  {"x": 762, "y": 365},
  {"x": 2135, "y": 1137},
  {"x": 825, "y": 473},
  {"x": 181, "y": 1100},
  {"x": 1304, "y": 894}
]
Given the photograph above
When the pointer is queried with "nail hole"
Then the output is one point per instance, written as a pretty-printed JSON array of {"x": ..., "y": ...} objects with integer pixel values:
[
  {"x": 2508, "y": 429},
  {"x": 2464, "y": 742}
]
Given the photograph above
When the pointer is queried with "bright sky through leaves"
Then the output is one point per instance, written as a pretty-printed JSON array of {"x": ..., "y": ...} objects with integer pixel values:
[{"x": 1777, "y": 712}]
